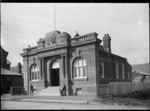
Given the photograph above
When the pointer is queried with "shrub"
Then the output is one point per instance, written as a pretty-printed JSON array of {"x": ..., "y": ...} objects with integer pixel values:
[{"x": 145, "y": 94}]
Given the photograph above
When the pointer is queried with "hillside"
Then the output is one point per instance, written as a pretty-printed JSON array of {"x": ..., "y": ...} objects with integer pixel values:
[{"x": 141, "y": 67}]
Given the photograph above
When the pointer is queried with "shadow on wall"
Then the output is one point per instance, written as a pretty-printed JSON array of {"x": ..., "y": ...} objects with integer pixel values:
[
  {"x": 77, "y": 90},
  {"x": 70, "y": 88},
  {"x": 73, "y": 91},
  {"x": 47, "y": 84}
]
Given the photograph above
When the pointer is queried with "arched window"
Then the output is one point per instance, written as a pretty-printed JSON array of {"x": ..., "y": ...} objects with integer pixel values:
[
  {"x": 34, "y": 73},
  {"x": 79, "y": 68}
]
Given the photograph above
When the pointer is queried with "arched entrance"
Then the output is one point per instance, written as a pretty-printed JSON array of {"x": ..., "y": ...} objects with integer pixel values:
[{"x": 55, "y": 74}]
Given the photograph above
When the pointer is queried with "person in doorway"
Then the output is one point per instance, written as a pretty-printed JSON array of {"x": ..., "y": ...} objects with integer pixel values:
[
  {"x": 64, "y": 89},
  {"x": 31, "y": 89}
]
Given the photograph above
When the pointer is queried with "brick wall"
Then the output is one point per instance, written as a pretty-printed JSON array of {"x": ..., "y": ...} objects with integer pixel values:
[{"x": 87, "y": 85}]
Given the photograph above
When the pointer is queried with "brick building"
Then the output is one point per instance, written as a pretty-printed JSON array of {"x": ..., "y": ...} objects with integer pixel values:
[
  {"x": 81, "y": 62},
  {"x": 4, "y": 62}
]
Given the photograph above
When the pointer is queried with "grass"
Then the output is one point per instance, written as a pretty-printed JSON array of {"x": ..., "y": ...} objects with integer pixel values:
[
  {"x": 124, "y": 101},
  {"x": 136, "y": 98},
  {"x": 144, "y": 95}
]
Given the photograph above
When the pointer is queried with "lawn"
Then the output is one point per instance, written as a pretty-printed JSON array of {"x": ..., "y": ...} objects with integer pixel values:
[
  {"x": 124, "y": 101},
  {"x": 137, "y": 98}
]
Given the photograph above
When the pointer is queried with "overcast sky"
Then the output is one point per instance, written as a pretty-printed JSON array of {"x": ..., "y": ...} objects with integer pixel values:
[{"x": 22, "y": 24}]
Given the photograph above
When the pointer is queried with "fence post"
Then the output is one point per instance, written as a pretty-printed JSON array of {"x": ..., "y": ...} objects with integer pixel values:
[
  {"x": 110, "y": 89},
  {"x": 10, "y": 90}
]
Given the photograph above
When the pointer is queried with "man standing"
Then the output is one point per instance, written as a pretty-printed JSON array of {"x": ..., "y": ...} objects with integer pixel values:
[
  {"x": 64, "y": 89},
  {"x": 31, "y": 89}
]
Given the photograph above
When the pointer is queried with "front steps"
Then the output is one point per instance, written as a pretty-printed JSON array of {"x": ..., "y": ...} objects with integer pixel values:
[{"x": 50, "y": 91}]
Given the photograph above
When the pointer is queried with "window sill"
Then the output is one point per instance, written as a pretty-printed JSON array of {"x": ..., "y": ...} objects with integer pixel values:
[
  {"x": 80, "y": 79},
  {"x": 35, "y": 80}
]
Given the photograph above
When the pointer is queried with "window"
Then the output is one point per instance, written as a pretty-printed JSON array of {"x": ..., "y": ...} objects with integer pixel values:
[
  {"x": 34, "y": 73},
  {"x": 128, "y": 75},
  {"x": 102, "y": 67},
  {"x": 117, "y": 71},
  {"x": 79, "y": 68},
  {"x": 123, "y": 72}
]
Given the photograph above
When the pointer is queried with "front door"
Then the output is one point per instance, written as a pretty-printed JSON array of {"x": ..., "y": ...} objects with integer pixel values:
[{"x": 55, "y": 74}]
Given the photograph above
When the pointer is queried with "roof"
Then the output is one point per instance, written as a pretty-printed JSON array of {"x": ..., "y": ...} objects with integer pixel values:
[
  {"x": 13, "y": 69},
  {"x": 8, "y": 72},
  {"x": 141, "y": 73}
]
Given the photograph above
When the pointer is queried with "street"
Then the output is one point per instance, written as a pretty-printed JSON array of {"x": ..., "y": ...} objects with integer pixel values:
[{"x": 41, "y": 105}]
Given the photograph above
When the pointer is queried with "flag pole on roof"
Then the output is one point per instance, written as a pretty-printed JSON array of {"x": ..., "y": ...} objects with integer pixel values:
[{"x": 54, "y": 17}]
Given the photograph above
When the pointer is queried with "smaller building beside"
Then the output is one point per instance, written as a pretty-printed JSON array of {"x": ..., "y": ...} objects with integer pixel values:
[
  {"x": 4, "y": 62},
  {"x": 8, "y": 77},
  {"x": 139, "y": 76}
]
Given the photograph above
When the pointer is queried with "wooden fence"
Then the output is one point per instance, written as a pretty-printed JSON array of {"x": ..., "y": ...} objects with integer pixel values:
[
  {"x": 16, "y": 90},
  {"x": 115, "y": 88},
  {"x": 104, "y": 90}
]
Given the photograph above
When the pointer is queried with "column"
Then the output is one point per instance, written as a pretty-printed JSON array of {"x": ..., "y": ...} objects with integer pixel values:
[
  {"x": 40, "y": 66},
  {"x": 64, "y": 67},
  {"x": 65, "y": 64},
  {"x": 42, "y": 69}
]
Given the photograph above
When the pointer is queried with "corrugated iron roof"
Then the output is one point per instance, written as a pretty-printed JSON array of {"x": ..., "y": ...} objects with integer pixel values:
[{"x": 8, "y": 72}]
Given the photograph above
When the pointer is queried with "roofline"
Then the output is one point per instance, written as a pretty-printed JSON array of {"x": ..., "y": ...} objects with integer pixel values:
[
  {"x": 31, "y": 47},
  {"x": 85, "y": 35},
  {"x": 113, "y": 54},
  {"x": 144, "y": 73}
]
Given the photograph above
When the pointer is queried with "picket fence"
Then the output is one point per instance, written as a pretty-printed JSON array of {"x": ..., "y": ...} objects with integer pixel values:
[{"x": 115, "y": 88}]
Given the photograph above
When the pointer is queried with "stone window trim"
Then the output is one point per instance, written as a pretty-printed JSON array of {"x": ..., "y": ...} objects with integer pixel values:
[
  {"x": 34, "y": 73},
  {"x": 79, "y": 69}
]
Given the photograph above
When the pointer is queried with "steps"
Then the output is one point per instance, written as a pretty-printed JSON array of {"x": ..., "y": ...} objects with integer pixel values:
[{"x": 50, "y": 91}]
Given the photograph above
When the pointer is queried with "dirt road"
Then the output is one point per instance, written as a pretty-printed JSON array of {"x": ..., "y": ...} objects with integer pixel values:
[{"x": 41, "y": 105}]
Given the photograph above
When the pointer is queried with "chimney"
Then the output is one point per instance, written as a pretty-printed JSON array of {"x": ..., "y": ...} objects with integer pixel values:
[
  {"x": 107, "y": 43},
  {"x": 19, "y": 67}
]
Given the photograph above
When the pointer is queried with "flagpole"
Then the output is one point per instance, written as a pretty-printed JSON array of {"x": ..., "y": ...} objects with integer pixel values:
[{"x": 54, "y": 17}]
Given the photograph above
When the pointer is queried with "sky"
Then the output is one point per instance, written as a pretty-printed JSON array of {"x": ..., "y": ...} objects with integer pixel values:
[{"x": 22, "y": 24}]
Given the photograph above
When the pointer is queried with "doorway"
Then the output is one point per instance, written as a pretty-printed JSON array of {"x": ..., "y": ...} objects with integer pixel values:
[
  {"x": 55, "y": 74},
  {"x": 55, "y": 77},
  {"x": 8, "y": 85}
]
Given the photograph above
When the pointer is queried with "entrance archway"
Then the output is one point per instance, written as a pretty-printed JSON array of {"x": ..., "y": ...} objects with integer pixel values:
[{"x": 55, "y": 74}]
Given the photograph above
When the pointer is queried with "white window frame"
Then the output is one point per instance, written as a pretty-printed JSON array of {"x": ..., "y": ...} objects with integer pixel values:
[
  {"x": 123, "y": 71},
  {"x": 103, "y": 68},
  {"x": 79, "y": 68},
  {"x": 34, "y": 75},
  {"x": 117, "y": 70}
]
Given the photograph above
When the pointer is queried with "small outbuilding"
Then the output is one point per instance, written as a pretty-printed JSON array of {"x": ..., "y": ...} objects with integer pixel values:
[{"x": 10, "y": 79}]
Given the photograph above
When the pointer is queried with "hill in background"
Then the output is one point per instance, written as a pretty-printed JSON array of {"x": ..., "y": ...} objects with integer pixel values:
[{"x": 141, "y": 67}]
